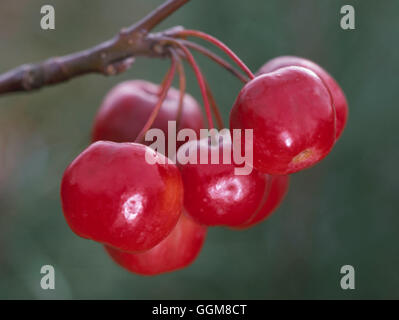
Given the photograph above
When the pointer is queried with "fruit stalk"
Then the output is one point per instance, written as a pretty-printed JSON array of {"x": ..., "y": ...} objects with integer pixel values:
[
  {"x": 164, "y": 92},
  {"x": 215, "y": 58},
  {"x": 219, "y": 44},
  {"x": 182, "y": 85},
  {"x": 199, "y": 76},
  {"x": 214, "y": 106}
]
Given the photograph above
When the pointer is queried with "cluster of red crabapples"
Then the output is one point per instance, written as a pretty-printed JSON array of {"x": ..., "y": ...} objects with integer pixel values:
[{"x": 153, "y": 218}]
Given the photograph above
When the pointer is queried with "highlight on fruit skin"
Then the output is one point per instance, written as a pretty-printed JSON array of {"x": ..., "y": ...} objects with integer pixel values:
[
  {"x": 110, "y": 194},
  {"x": 177, "y": 251},
  {"x": 337, "y": 94},
  {"x": 293, "y": 120}
]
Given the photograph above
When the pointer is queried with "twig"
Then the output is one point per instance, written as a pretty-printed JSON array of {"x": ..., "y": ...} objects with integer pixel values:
[{"x": 111, "y": 57}]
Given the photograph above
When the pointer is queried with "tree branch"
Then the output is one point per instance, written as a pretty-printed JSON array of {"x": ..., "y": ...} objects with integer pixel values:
[
  {"x": 158, "y": 15},
  {"x": 111, "y": 57}
]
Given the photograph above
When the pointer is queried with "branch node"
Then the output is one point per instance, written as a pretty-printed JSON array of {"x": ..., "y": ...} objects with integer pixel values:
[
  {"x": 28, "y": 77},
  {"x": 123, "y": 32},
  {"x": 119, "y": 66}
]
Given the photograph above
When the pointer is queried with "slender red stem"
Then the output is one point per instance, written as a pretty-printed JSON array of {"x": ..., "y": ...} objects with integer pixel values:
[
  {"x": 199, "y": 76},
  {"x": 215, "y": 58},
  {"x": 212, "y": 101},
  {"x": 163, "y": 83},
  {"x": 182, "y": 86},
  {"x": 218, "y": 43},
  {"x": 215, "y": 108},
  {"x": 164, "y": 92}
]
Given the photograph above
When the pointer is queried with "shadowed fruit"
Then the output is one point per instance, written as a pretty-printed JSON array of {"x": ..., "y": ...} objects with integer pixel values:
[
  {"x": 128, "y": 105},
  {"x": 177, "y": 251}
]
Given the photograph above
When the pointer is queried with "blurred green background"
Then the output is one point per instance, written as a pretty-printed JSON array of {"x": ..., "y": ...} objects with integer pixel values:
[{"x": 343, "y": 211}]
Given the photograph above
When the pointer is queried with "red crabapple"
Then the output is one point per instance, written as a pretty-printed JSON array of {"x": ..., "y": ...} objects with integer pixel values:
[
  {"x": 293, "y": 120},
  {"x": 176, "y": 251},
  {"x": 338, "y": 96},
  {"x": 110, "y": 194},
  {"x": 128, "y": 105},
  {"x": 214, "y": 194}
]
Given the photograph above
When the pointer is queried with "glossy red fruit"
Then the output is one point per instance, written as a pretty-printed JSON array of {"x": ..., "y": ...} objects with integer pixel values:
[
  {"x": 278, "y": 190},
  {"x": 177, "y": 251},
  {"x": 338, "y": 96},
  {"x": 214, "y": 195},
  {"x": 292, "y": 117},
  {"x": 110, "y": 194},
  {"x": 127, "y": 107}
]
